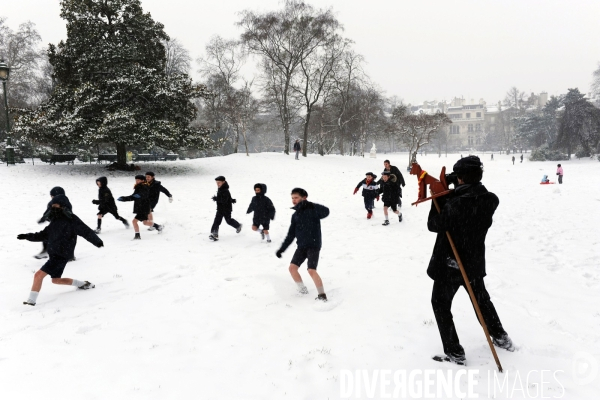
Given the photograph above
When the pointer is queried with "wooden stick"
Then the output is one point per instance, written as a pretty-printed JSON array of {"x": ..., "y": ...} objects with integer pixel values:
[{"x": 471, "y": 294}]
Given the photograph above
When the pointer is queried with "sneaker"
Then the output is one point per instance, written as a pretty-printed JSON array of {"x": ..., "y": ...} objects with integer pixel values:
[
  {"x": 214, "y": 237},
  {"x": 97, "y": 230},
  {"x": 126, "y": 224},
  {"x": 151, "y": 228},
  {"x": 28, "y": 303},
  {"x": 400, "y": 218},
  {"x": 137, "y": 237},
  {"x": 43, "y": 254},
  {"x": 238, "y": 229},
  {"x": 504, "y": 342},
  {"x": 87, "y": 285},
  {"x": 268, "y": 240},
  {"x": 321, "y": 297},
  {"x": 369, "y": 214},
  {"x": 160, "y": 228},
  {"x": 386, "y": 223},
  {"x": 262, "y": 235},
  {"x": 304, "y": 290},
  {"x": 458, "y": 359}
]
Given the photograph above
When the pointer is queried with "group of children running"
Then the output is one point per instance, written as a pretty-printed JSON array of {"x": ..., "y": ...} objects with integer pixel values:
[
  {"x": 389, "y": 187},
  {"x": 60, "y": 236}
]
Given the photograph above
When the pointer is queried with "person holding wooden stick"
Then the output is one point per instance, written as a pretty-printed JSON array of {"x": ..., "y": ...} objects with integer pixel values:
[{"x": 466, "y": 215}]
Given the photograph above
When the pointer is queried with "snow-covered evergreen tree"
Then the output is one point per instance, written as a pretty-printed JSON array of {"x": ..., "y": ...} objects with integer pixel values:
[{"x": 112, "y": 86}]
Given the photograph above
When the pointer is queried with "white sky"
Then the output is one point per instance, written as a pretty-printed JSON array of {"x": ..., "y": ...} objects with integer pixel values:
[{"x": 417, "y": 50}]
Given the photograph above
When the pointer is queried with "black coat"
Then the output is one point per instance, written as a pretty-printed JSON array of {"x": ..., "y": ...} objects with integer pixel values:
[
  {"x": 61, "y": 235},
  {"x": 155, "y": 188},
  {"x": 390, "y": 190},
  {"x": 306, "y": 225},
  {"x": 297, "y": 146},
  {"x": 49, "y": 208},
  {"x": 223, "y": 199},
  {"x": 262, "y": 206},
  {"x": 141, "y": 204},
  {"x": 369, "y": 191},
  {"x": 467, "y": 215},
  {"x": 106, "y": 201}
]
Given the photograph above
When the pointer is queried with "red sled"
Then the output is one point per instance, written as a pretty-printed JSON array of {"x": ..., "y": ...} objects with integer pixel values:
[{"x": 547, "y": 183}]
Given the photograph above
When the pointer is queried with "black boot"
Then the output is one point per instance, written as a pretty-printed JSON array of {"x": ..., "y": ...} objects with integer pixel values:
[
  {"x": 137, "y": 236},
  {"x": 322, "y": 297},
  {"x": 99, "y": 228}
]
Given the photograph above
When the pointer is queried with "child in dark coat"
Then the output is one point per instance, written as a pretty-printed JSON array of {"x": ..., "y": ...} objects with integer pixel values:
[
  {"x": 55, "y": 191},
  {"x": 263, "y": 209},
  {"x": 390, "y": 190},
  {"x": 155, "y": 188},
  {"x": 306, "y": 229},
  {"x": 369, "y": 192},
  {"x": 224, "y": 209},
  {"x": 61, "y": 237},
  {"x": 106, "y": 203},
  {"x": 141, "y": 205}
]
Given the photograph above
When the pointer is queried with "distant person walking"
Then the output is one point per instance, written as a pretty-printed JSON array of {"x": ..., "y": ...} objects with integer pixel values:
[
  {"x": 297, "y": 148},
  {"x": 492, "y": 156},
  {"x": 559, "y": 172},
  {"x": 513, "y": 160},
  {"x": 521, "y": 158}
]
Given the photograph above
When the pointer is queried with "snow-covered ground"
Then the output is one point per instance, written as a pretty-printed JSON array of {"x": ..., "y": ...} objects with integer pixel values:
[{"x": 175, "y": 316}]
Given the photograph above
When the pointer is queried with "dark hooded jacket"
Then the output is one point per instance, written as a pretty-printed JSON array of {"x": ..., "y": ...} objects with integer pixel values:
[
  {"x": 55, "y": 191},
  {"x": 154, "y": 192},
  {"x": 399, "y": 178},
  {"x": 223, "y": 199},
  {"x": 61, "y": 234},
  {"x": 141, "y": 204},
  {"x": 297, "y": 146},
  {"x": 370, "y": 190},
  {"x": 389, "y": 189},
  {"x": 106, "y": 201},
  {"x": 306, "y": 225},
  {"x": 467, "y": 215},
  {"x": 261, "y": 206}
]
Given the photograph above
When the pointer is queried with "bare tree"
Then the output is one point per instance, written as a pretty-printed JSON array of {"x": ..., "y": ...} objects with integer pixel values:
[
  {"x": 515, "y": 98},
  {"x": 285, "y": 38},
  {"x": 316, "y": 77},
  {"x": 178, "y": 58},
  {"x": 416, "y": 131}
]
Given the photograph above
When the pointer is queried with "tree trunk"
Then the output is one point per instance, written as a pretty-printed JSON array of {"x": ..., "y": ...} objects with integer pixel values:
[
  {"x": 306, "y": 122},
  {"x": 245, "y": 140},
  {"x": 121, "y": 153}
]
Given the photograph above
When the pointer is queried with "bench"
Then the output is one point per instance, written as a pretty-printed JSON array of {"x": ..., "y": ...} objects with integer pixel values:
[
  {"x": 68, "y": 158},
  {"x": 171, "y": 157},
  {"x": 106, "y": 157},
  {"x": 146, "y": 157}
]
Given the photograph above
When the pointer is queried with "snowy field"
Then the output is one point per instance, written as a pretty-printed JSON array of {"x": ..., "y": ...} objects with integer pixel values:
[{"x": 176, "y": 316}]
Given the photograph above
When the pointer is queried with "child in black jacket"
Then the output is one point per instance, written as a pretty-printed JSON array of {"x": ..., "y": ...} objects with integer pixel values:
[
  {"x": 369, "y": 191},
  {"x": 141, "y": 205},
  {"x": 263, "y": 209},
  {"x": 106, "y": 203},
  {"x": 306, "y": 229},
  {"x": 61, "y": 237},
  {"x": 391, "y": 193},
  {"x": 155, "y": 188},
  {"x": 224, "y": 209}
]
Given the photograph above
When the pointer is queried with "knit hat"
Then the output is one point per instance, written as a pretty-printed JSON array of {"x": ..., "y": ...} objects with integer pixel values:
[
  {"x": 467, "y": 164},
  {"x": 388, "y": 173},
  {"x": 150, "y": 173},
  {"x": 140, "y": 177},
  {"x": 220, "y": 178},
  {"x": 372, "y": 175},
  {"x": 56, "y": 190}
]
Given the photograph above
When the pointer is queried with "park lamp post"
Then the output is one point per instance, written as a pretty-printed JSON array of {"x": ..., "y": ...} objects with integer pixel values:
[{"x": 10, "y": 151}]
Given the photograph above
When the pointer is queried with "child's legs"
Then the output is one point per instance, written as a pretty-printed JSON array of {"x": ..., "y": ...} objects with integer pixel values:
[
  {"x": 99, "y": 216},
  {"x": 38, "y": 278},
  {"x": 216, "y": 223},
  {"x": 313, "y": 261},
  {"x": 298, "y": 258},
  {"x": 315, "y": 277},
  {"x": 385, "y": 211},
  {"x": 230, "y": 221},
  {"x": 62, "y": 281},
  {"x": 136, "y": 227},
  {"x": 150, "y": 219},
  {"x": 254, "y": 227},
  {"x": 294, "y": 272},
  {"x": 395, "y": 209}
]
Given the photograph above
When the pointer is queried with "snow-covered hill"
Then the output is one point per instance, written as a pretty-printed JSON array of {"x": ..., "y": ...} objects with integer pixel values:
[{"x": 176, "y": 316}]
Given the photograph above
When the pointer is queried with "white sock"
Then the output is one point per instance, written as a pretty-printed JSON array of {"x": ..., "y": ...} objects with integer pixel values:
[
  {"x": 268, "y": 236},
  {"x": 300, "y": 285},
  {"x": 320, "y": 289},
  {"x": 33, "y": 297},
  {"x": 77, "y": 283}
]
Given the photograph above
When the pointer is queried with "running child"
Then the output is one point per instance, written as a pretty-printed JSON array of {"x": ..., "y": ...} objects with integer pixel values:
[
  {"x": 55, "y": 191},
  {"x": 389, "y": 188},
  {"x": 106, "y": 204},
  {"x": 61, "y": 237},
  {"x": 141, "y": 205},
  {"x": 369, "y": 192},
  {"x": 224, "y": 209},
  {"x": 306, "y": 228},
  {"x": 155, "y": 188},
  {"x": 263, "y": 209}
]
